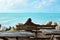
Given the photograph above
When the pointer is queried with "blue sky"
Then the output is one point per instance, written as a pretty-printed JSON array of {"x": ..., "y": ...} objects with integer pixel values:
[
  {"x": 10, "y": 19},
  {"x": 30, "y": 6}
]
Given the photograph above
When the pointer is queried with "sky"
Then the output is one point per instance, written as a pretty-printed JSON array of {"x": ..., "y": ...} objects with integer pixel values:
[
  {"x": 18, "y": 11},
  {"x": 30, "y": 6}
]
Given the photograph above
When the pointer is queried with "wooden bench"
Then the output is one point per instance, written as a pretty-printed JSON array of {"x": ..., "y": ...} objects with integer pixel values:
[
  {"x": 36, "y": 28},
  {"x": 17, "y": 35}
]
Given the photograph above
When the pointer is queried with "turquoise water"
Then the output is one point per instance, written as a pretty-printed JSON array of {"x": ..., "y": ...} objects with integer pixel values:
[{"x": 10, "y": 19}]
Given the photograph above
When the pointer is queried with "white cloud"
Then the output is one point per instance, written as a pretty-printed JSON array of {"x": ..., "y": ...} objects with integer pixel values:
[
  {"x": 42, "y": 3},
  {"x": 6, "y": 5}
]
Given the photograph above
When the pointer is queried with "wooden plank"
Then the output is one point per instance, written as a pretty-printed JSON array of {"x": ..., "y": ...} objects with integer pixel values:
[
  {"x": 47, "y": 26},
  {"x": 36, "y": 28},
  {"x": 31, "y": 27},
  {"x": 39, "y": 38}
]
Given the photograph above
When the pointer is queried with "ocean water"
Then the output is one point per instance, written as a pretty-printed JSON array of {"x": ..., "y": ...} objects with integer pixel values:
[{"x": 10, "y": 19}]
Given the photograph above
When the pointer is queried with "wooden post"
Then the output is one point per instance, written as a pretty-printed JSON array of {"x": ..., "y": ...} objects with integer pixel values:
[
  {"x": 52, "y": 37},
  {"x": 36, "y": 33},
  {"x": 17, "y": 38},
  {"x": 4, "y": 38}
]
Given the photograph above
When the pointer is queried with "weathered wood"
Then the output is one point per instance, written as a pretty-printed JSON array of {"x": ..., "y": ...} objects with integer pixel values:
[
  {"x": 47, "y": 28},
  {"x": 4, "y": 38},
  {"x": 47, "y": 25},
  {"x": 34, "y": 28},
  {"x": 29, "y": 25},
  {"x": 52, "y": 37},
  {"x": 39, "y": 39}
]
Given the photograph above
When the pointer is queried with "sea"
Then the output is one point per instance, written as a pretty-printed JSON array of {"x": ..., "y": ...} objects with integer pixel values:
[{"x": 11, "y": 19}]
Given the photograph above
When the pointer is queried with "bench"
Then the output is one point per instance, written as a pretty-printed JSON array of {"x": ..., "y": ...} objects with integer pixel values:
[{"x": 30, "y": 28}]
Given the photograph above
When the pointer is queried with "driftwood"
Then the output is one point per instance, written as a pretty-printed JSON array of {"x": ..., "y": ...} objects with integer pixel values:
[{"x": 29, "y": 25}]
